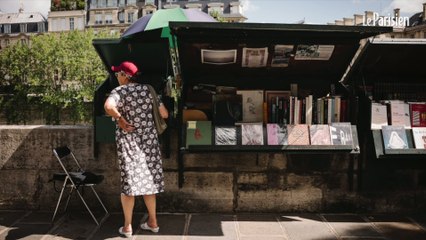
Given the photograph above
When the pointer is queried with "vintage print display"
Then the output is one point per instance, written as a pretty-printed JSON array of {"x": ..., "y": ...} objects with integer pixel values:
[
  {"x": 218, "y": 57},
  {"x": 341, "y": 133},
  {"x": 379, "y": 116},
  {"x": 400, "y": 114},
  {"x": 298, "y": 134},
  {"x": 226, "y": 135},
  {"x": 277, "y": 134},
  {"x": 199, "y": 133},
  {"x": 394, "y": 137},
  {"x": 255, "y": 57},
  {"x": 252, "y": 134},
  {"x": 314, "y": 52},
  {"x": 227, "y": 109},
  {"x": 320, "y": 134},
  {"x": 282, "y": 54},
  {"x": 418, "y": 114},
  {"x": 252, "y": 105},
  {"x": 419, "y": 135}
]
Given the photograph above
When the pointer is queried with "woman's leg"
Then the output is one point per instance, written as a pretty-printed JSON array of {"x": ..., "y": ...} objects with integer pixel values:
[
  {"x": 127, "y": 202},
  {"x": 150, "y": 203}
]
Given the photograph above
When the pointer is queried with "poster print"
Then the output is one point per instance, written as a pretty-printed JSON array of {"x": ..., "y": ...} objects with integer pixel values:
[
  {"x": 255, "y": 57},
  {"x": 218, "y": 57},
  {"x": 226, "y": 135},
  {"x": 314, "y": 52},
  {"x": 252, "y": 105},
  {"x": 282, "y": 54}
]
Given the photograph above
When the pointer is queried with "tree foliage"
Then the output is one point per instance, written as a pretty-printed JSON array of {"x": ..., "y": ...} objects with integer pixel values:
[{"x": 56, "y": 72}]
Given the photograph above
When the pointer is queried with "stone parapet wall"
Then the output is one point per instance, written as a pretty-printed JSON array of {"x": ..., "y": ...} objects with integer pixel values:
[{"x": 218, "y": 182}]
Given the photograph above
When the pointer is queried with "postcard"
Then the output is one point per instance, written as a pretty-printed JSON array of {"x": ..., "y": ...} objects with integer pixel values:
[
  {"x": 255, "y": 57},
  {"x": 218, "y": 57}
]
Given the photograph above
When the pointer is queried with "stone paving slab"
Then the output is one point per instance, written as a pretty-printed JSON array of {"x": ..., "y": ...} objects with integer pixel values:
[
  {"x": 172, "y": 227},
  {"x": 350, "y": 226},
  {"x": 398, "y": 227},
  {"x": 212, "y": 227},
  {"x": 259, "y": 225},
  {"x": 306, "y": 227}
]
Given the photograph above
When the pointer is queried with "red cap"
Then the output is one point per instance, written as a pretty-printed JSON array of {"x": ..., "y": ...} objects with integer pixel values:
[{"x": 127, "y": 67}]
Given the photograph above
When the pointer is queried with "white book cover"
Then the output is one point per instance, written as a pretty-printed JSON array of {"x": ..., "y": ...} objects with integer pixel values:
[
  {"x": 400, "y": 114},
  {"x": 379, "y": 116},
  {"x": 419, "y": 135},
  {"x": 252, "y": 101}
]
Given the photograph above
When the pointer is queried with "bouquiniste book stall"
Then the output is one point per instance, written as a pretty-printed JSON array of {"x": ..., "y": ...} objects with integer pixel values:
[
  {"x": 266, "y": 88},
  {"x": 390, "y": 80}
]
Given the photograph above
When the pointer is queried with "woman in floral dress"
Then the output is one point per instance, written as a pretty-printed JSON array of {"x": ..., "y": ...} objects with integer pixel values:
[{"x": 138, "y": 150}]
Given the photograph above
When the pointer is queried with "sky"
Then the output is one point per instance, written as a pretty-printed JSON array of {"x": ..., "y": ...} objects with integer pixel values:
[{"x": 279, "y": 11}]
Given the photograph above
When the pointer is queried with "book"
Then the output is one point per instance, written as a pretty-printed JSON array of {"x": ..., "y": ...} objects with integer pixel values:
[
  {"x": 198, "y": 133},
  {"x": 298, "y": 134},
  {"x": 341, "y": 133},
  {"x": 418, "y": 114},
  {"x": 277, "y": 134},
  {"x": 379, "y": 116},
  {"x": 400, "y": 114},
  {"x": 419, "y": 135},
  {"x": 320, "y": 134},
  {"x": 252, "y": 134},
  {"x": 273, "y": 100},
  {"x": 226, "y": 135},
  {"x": 227, "y": 109},
  {"x": 394, "y": 137},
  {"x": 252, "y": 103}
]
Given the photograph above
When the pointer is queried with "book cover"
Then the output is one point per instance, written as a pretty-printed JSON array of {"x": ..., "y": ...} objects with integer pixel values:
[
  {"x": 320, "y": 134},
  {"x": 394, "y": 137},
  {"x": 277, "y": 134},
  {"x": 298, "y": 134},
  {"x": 418, "y": 114},
  {"x": 199, "y": 133},
  {"x": 227, "y": 109},
  {"x": 400, "y": 114},
  {"x": 379, "y": 116},
  {"x": 341, "y": 133},
  {"x": 252, "y": 101},
  {"x": 419, "y": 135},
  {"x": 252, "y": 134},
  {"x": 226, "y": 135}
]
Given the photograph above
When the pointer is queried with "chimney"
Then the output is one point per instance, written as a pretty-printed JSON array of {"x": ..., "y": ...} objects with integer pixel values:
[
  {"x": 358, "y": 19},
  {"x": 348, "y": 21},
  {"x": 369, "y": 14},
  {"x": 396, "y": 13},
  {"x": 424, "y": 12}
]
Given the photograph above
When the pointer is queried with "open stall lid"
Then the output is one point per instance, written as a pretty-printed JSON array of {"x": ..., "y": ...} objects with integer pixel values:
[
  {"x": 225, "y": 53},
  {"x": 151, "y": 56},
  {"x": 388, "y": 59}
]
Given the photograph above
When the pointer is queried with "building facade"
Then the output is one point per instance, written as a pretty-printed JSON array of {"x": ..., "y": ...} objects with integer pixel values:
[
  {"x": 19, "y": 27},
  {"x": 117, "y": 15},
  {"x": 59, "y": 21}
]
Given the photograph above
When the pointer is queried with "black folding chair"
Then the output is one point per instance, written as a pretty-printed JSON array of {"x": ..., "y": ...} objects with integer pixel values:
[{"x": 75, "y": 179}]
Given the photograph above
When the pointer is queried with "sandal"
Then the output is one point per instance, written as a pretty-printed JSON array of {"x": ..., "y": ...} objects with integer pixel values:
[
  {"x": 126, "y": 234},
  {"x": 145, "y": 226}
]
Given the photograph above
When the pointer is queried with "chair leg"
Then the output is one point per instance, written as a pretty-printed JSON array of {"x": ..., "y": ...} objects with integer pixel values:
[
  {"x": 69, "y": 197},
  {"x": 59, "y": 200},
  {"x": 88, "y": 209},
  {"x": 97, "y": 196}
]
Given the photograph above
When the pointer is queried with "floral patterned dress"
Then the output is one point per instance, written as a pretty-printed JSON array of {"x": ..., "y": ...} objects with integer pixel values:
[{"x": 139, "y": 153}]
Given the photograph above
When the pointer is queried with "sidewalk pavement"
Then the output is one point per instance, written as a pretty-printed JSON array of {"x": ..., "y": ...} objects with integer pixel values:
[{"x": 210, "y": 226}]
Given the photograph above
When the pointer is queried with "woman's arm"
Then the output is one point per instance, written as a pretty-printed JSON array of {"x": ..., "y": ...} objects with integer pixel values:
[
  {"x": 163, "y": 111},
  {"x": 111, "y": 109}
]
